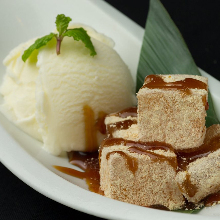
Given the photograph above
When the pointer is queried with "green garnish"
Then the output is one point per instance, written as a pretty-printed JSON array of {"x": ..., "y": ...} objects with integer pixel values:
[
  {"x": 62, "y": 23},
  {"x": 192, "y": 211}
]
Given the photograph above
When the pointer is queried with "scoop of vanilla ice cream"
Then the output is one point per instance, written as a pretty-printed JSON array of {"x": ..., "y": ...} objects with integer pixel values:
[
  {"x": 46, "y": 95},
  {"x": 18, "y": 90}
]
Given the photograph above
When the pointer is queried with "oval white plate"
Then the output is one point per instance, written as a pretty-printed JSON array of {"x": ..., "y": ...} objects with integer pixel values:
[{"x": 23, "y": 155}]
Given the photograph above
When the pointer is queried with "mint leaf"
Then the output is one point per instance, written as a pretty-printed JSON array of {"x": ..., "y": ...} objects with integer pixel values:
[
  {"x": 40, "y": 42},
  {"x": 62, "y": 23},
  {"x": 80, "y": 34}
]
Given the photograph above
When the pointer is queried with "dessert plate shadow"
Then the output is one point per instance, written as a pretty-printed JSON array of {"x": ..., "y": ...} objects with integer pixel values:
[{"x": 23, "y": 155}]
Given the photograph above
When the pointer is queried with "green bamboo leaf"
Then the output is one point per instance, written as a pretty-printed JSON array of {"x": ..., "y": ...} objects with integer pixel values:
[
  {"x": 164, "y": 51},
  {"x": 192, "y": 211}
]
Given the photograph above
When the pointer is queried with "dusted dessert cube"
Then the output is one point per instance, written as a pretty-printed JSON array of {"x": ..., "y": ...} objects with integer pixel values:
[
  {"x": 139, "y": 173},
  {"x": 172, "y": 109},
  {"x": 201, "y": 168},
  {"x": 123, "y": 124}
]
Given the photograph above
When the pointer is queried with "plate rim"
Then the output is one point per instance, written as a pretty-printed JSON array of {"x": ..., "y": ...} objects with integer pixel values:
[{"x": 42, "y": 182}]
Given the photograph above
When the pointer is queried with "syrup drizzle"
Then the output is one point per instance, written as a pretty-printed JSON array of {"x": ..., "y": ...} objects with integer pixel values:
[
  {"x": 156, "y": 82},
  {"x": 160, "y": 207},
  {"x": 185, "y": 158},
  {"x": 100, "y": 123},
  {"x": 92, "y": 126},
  {"x": 89, "y": 163},
  {"x": 123, "y": 125},
  {"x": 212, "y": 199},
  {"x": 144, "y": 146},
  {"x": 130, "y": 161},
  {"x": 132, "y": 112},
  {"x": 90, "y": 132},
  {"x": 188, "y": 187},
  {"x": 154, "y": 156},
  {"x": 120, "y": 125}
]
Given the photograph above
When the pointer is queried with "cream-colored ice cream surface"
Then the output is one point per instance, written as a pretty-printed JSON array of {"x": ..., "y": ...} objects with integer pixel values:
[
  {"x": 18, "y": 90},
  {"x": 45, "y": 95}
]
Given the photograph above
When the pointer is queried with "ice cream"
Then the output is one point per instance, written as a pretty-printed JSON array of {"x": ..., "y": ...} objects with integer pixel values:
[{"x": 50, "y": 97}]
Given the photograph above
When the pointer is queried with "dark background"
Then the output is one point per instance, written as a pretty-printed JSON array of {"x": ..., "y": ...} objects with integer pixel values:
[{"x": 199, "y": 23}]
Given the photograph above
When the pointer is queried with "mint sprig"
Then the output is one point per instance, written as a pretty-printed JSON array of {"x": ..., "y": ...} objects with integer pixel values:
[{"x": 62, "y": 23}]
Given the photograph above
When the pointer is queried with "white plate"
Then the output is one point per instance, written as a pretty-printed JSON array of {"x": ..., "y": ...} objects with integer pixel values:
[{"x": 23, "y": 155}]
